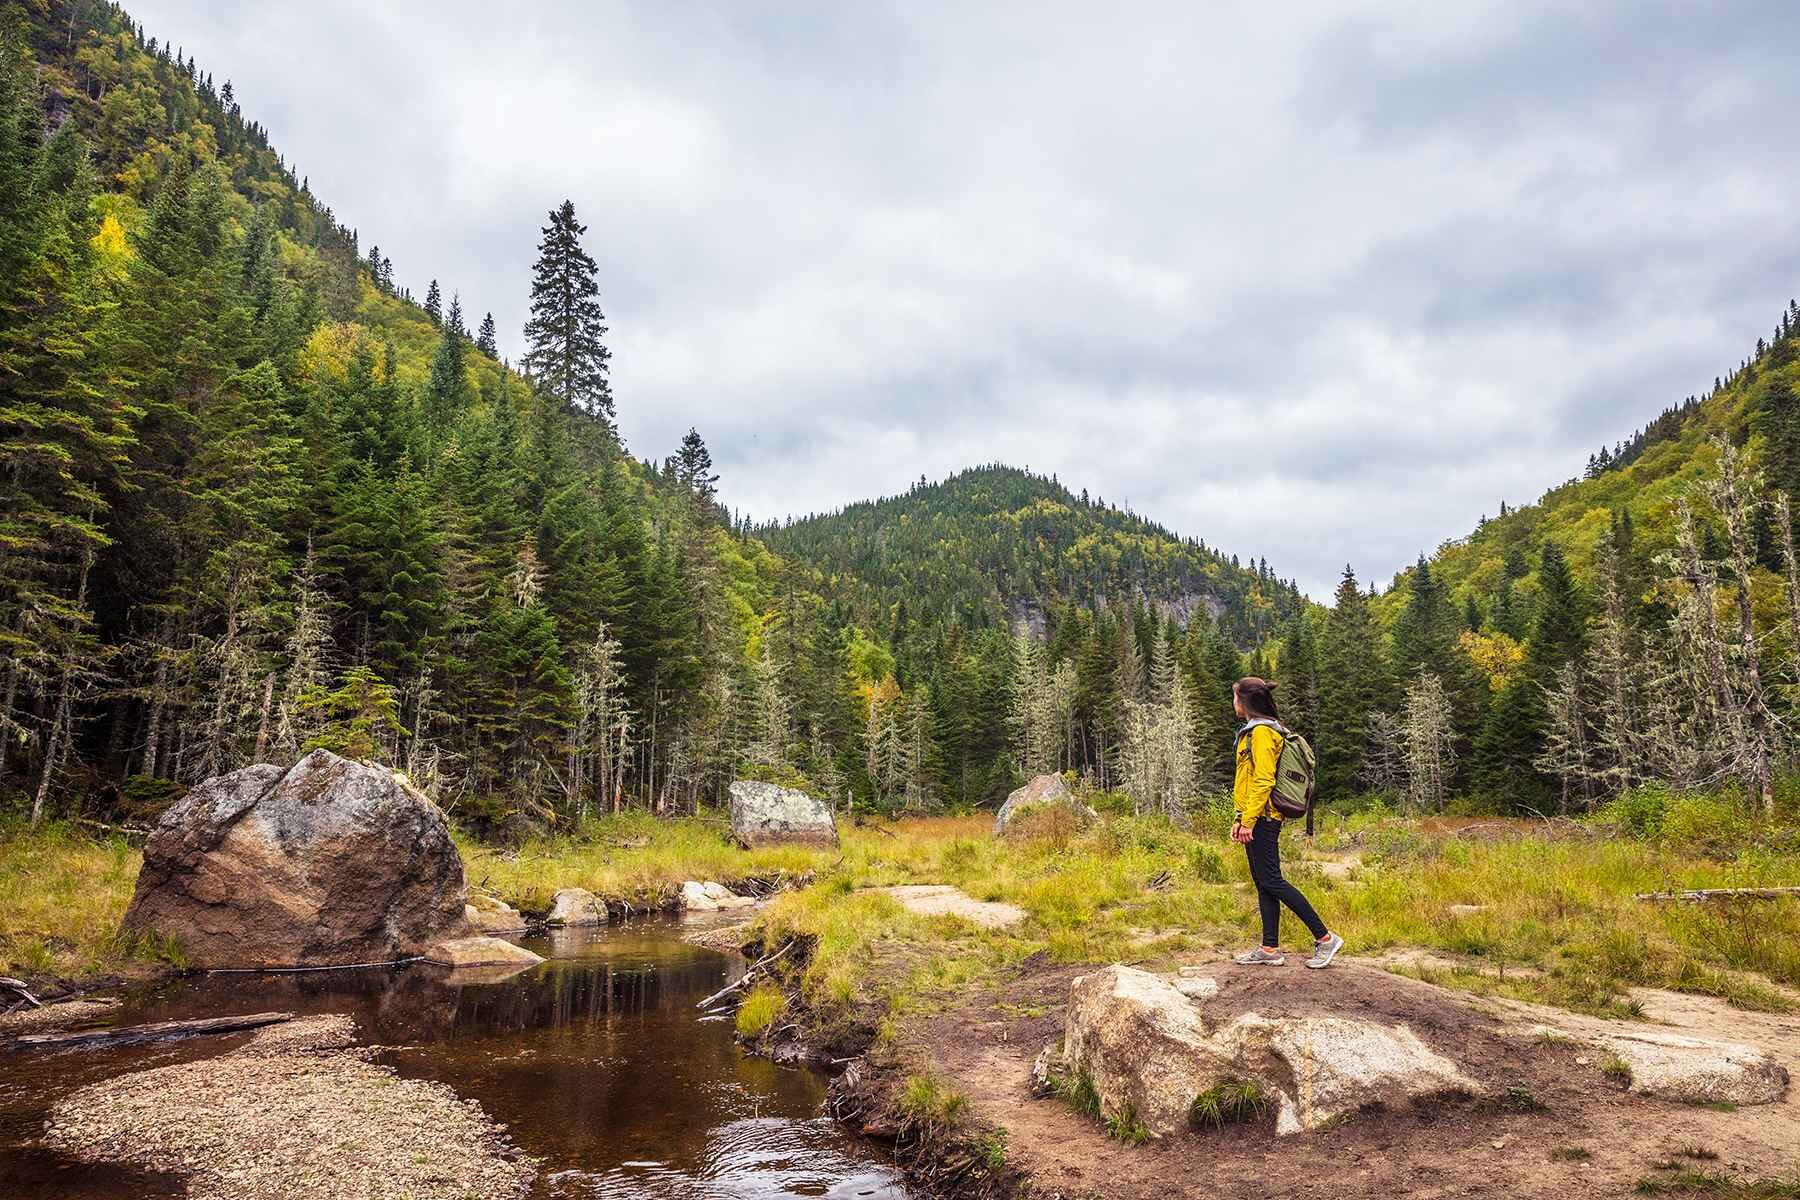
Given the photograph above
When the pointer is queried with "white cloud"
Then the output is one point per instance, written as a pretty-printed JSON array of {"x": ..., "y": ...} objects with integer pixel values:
[{"x": 1318, "y": 288}]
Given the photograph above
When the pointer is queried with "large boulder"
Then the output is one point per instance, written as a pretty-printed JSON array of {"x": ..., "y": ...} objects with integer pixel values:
[
  {"x": 1145, "y": 1043},
  {"x": 1041, "y": 792},
  {"x": 326, "y": 863},
  {"x": 765, "y": 814}
]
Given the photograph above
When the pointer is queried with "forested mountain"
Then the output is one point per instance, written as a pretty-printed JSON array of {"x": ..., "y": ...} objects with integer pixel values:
[{"x": 997, "y": 544}]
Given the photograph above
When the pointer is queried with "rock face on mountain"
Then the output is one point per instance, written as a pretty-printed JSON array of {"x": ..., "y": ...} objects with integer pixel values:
[
  {"x": 766, "y": 814},
  {"x": 329, "y": 862},
  {"x": 1041, "y": 792},
  {"x": 1146, "y": 1044}
]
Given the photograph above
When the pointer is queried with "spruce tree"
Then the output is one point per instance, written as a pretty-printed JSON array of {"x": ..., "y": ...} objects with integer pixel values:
[
  {"x": 484, "y": 340},
  {"x": 434, "y": 304},
  {"x": 567, "y": 353},
  {"x": 1354, "y": 688},
  {"x": 1512, "y": 736}
]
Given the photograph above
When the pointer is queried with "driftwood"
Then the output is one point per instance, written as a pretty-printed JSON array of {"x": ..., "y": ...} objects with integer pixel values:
[
  {"x": 1698, "y": 894},
  {"x": 744, "y": 980},
  {"x": 18, "y": 985},
  {"x": 159, "y": 1031}
]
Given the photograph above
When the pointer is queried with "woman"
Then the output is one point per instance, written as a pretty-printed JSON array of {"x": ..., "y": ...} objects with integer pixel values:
[{"x": 1258, "y": 827}]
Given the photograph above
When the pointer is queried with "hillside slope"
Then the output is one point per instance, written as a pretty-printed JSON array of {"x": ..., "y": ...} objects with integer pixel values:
[
  {"x": 995, "y": 543},
  {"x": 1756, "y": 407}
]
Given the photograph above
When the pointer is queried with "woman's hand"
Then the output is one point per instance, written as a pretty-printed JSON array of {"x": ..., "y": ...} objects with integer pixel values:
[{"x": 1241, "y": 835}]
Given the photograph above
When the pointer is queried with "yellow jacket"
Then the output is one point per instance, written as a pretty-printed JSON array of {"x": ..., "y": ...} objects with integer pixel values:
[{"x": 1258, "y": 751}]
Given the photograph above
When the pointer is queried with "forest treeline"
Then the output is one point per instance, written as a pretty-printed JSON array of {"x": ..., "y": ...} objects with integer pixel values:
[{"x": 259, "y": 500}]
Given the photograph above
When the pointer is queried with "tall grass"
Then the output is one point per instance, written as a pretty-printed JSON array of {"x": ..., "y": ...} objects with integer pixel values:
[
  {"x": 633, "y": 856},
  {"x": 62, "y": 894}
]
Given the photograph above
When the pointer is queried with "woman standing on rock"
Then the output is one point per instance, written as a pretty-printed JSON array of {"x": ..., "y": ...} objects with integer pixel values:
[{"x": 1258, "y": 826}]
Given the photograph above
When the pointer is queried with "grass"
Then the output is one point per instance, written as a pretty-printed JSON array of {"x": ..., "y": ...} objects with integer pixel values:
[
  {"x": 1616, "y": 1070},
  {"x": 1124, "y": 1126},
  {"x": 1229, "y": 1103},
  {"x": 1570, "y": 1154},
  {"x": 760, "y": 1009},
  {"x": 926, "y": 1100},
  {"x": 633, "y": 857},
  {"x": 1517, "y": 1098},
  {"x": 1719, "y": 1185},
  {"x": 62, "y": 893},
  {"x": 1079, "y": 1093}
]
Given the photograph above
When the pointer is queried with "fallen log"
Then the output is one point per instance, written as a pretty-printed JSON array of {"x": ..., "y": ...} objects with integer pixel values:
[
  {"x": 126, "y": 1035},
  {"x": 1695, "y": 895}
]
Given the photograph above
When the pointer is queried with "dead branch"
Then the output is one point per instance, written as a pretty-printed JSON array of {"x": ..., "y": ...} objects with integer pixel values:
[
  {"x": 744, "y": 980},
  {"x": 1696, "y": 895}
]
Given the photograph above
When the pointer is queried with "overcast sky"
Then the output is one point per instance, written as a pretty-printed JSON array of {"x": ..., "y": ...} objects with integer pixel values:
[{"x": 1321, "y": 283}]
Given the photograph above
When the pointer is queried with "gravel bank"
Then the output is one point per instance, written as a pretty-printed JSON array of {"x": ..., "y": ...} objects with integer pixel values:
[{"x": 296, "y": 1113}]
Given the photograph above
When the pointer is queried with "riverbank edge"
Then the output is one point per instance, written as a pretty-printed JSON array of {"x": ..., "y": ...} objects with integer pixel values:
[
  {"x": 53, "y": 990},
  {"x": 954, "y": 1157}
]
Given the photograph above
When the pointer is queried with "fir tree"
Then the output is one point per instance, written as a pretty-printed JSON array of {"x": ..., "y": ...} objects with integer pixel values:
[
  {"x": 484, "y": 340},
  {"x": 434, "y": 304},
  {"x": 567, "y": 353},
  {"x": 1353, "y": 688}
]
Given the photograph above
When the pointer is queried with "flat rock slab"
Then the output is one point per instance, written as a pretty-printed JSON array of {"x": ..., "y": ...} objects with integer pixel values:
[
  {"x": 1149, "y": 1046},
  {"x": 299, "y": 1114},
  {"x": 1675, "y": 1066},
  {"x": 940, "y": 899},
  {"x": 481, "y": 952}
]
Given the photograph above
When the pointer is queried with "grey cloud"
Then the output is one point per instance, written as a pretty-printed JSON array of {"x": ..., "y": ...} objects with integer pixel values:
[{"x": 1442, "y": 251}]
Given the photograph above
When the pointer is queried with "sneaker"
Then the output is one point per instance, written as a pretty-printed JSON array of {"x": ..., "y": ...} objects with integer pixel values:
[
  {"x": 1260, "y": 958},
  {"x": 1325, "y": 951}
]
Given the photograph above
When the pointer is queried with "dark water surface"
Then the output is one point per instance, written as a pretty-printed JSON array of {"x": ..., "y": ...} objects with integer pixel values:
[{"x": 596, "y": 1062}]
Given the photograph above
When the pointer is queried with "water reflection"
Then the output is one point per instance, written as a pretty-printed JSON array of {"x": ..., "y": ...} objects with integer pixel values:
[{"x": 596, "y": 1061}]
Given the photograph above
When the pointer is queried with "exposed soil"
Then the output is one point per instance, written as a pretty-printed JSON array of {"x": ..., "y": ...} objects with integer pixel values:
[{"x": 984, "y": 1048}]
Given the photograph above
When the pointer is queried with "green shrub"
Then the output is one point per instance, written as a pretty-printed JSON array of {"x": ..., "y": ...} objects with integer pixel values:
[
  {"x": 926, "y": 1100},
  {"x": 1205, "y": 864},
  {"x": 1639, "y": 811},
  {"x": 1716, "y": 824}
]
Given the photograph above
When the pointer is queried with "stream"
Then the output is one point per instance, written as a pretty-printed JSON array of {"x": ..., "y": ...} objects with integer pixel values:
[{"x": 597, "y": 1063}]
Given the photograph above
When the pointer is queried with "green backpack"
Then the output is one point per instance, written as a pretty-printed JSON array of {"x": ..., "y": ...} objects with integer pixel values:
[{"x": 1296, "y": 779}]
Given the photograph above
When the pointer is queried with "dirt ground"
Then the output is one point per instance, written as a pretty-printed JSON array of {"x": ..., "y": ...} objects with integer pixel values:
[{"x": 1450, "y": 1149}]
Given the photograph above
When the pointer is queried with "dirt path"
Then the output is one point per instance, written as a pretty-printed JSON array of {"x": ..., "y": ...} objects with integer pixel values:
[
  {"x": 1456, "y": 1149},
  {"x": 938, "y": 899}
]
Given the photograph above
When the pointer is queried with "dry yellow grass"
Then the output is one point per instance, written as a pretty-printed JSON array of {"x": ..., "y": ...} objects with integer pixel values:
[{"x": 61, "y": 896}]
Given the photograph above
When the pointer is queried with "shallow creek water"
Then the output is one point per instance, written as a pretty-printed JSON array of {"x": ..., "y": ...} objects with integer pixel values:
[{"x": 597, "y": 1063}]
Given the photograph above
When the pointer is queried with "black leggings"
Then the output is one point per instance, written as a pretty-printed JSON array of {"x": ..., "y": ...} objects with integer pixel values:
[{"x": 1272, "y": 891}]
